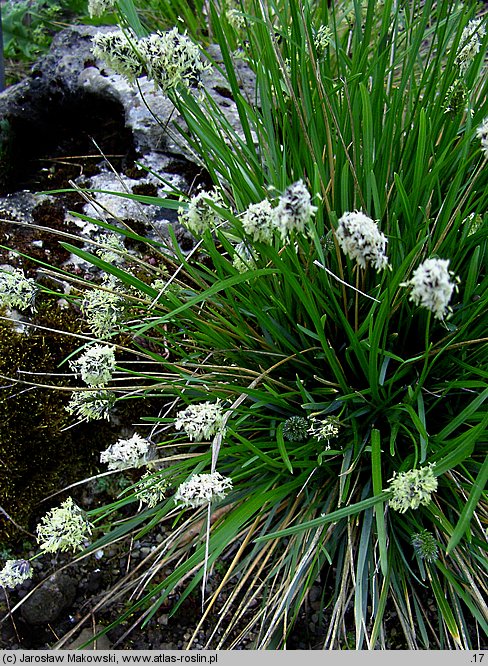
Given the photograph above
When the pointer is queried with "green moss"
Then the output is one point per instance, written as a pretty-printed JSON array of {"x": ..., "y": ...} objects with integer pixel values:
[{"x": 37, "y": 457}]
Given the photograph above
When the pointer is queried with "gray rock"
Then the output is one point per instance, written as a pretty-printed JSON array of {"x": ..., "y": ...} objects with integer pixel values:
[
  {"x": 101, "y": 643},
  {"x": 70, "y": 78},
  {"x": 47, "y": 603}
]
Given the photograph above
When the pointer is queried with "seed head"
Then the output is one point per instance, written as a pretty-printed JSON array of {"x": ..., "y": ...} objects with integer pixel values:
[
  {"x": 295, "y": 429},
  {"x": 425, "y": 546}
]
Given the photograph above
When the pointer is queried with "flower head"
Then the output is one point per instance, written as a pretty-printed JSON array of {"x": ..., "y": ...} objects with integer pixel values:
[
  {"x": 117, "y": 50},
  {"x": 91, "y": 405},
  {"x": 126, "y": 453},
  {"x": 258, "y": 221},
  {"x": 294, "y": 210},
  {"x": 99, "y": 7},
  {"x": 295, "y": 429},
  {"x": 96, "y": 365},
  {"x": 202, "y": 488},
  {"x": 201, "y": 421},
  {"x": 172, "y": 60},
  {"x": 236, "y": 19},
  {"x": 425, "y": 546},
  {"x": 200, "y": 215},
  {"x": 16, "y": 290},
  {"x": 151, "y": 490},
  {"x": 324, "y": 429},
  {"x": 470, "y": 44},
  {"x": 103, "y": 309},
  {"x": 413, "y": 488},
  {"x": 15, "y": 572},
  {"x": 64, "y": 528},
  {"x": 112, "y": 249},
  {"x": 360, "y": 239},
  {"x": 431, "y": 286},
  {"x": 482, "y": 134},
  {"x": 322, "y": 39}
]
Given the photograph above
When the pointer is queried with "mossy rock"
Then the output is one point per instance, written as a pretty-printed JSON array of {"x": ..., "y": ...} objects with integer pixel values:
[{"x": 37, "y": 456}]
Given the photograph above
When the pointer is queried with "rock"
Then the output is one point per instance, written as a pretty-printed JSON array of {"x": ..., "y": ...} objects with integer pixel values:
[
  {"x": 69, "y": 89},
  {"x": 101, "y": 643},
  {"x": 54, "y": 596}
]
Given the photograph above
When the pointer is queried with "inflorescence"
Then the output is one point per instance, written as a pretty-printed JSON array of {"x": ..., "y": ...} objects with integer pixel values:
[
  {"x": 432, "y": 286},
  {"x": 127, "y": 453},
  {"x": 170, "y": 59},
  {"x": 91, "y": 405},
  {"x": 201, "y": 489},
  {"x": 16, "y": 290},
  {"x": 64, "y": 528},
  {"x": 201, "y": 421},
  {"x": 96, "y": 365},
  {"x": 413, "y": 488},
  {"x": 425, "y": 546},
  {"x": 361, "y": 240},
  {"x": 14, "y": 573}
]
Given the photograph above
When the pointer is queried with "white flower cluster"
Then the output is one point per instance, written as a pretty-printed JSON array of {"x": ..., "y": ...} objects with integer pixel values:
[
  {"x": 64, "y": 528},
  {"x": 324, "y": 429},
  {"x": 236, "y": 19},
  {"x": 413, "y": 488},
  {"x": 112, "y": 249},
  {"x": 117, "y": 50},
  {"x": 201, "y": 489},
  {"x": 243, "y": 260},
  {"x": 292, "y": 214},
  {"x": 103, "y": 308},
  {"x": 16, "y": 290},
  {"x": 431, "y": 286},
  {"x": 151, "y": 490},
  {"x": 91, "y": 405},
  {"x": 200, "y": 215},
  {"x": 14, "y": 573},
  {"x": 126, "y": 453},
  {"x": 172, "y": 60},
  {"x": 258, "y": 221},
  {"x": 96, "y": 365},
  {"x": 202, "y": 421},
  {"x": 294, "y": 210},
  {"x": 99, "y": 7},
  {"x": 360, "y": 239},
  {"x": 482, "y": 134},
  {"x": 470, "y": 44}
]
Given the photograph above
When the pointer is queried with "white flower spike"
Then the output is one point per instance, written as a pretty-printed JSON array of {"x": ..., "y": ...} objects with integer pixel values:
[{"x": 361, "y": 240}]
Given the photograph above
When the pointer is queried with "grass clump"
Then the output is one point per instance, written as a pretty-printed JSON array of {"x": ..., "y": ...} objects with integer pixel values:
[{"x": 320, "y": 356}]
